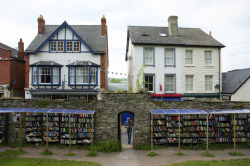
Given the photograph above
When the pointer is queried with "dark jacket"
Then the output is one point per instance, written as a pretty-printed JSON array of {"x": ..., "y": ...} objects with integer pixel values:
[{"x": 129, "y": 125}]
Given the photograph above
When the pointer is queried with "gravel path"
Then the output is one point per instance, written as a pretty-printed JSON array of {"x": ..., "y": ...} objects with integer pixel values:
[{"x": 131, "y": 157}]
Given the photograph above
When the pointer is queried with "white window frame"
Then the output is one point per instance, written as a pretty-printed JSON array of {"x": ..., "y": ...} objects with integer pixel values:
[
  {"x": 189, "y": 57},
  {"x": 148, "y": 83},
  {"x": 44, "y": 73},
  {"x": 169, "y": 57},
  {"x": 76, "y": 44},
  {"x": 82, "y": 75},
  {"x": 189, "y": 83},
  {"x": 208, "y": 83},
  {"x": 34, "y": 75},
  {"x": 168, "y": 83},
  {"x": 56, "y": 75},
  {"x": 147, "y": 56},
  {"x": 56, "y": 45},
  {"x": 208, "y": 58},
  {"x": 93, "y": 75}
]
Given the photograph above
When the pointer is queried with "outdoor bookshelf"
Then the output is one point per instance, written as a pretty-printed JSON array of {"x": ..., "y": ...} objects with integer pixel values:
[
  {"x": 53, "y": 127},
  {"x": 241, "y": 127},
  {"x": 172, "y": 126},
  {"x": 159, "y": 128},
  {"x": 34, "y": 127},
  {"x": 85, "y": 128},
  {"x": 68, "y": 128},
  {"x": 223, "y": 128}
]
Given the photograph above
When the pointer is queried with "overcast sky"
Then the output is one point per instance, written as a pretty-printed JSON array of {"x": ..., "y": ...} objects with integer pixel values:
[{"x": 229, "y": 21}]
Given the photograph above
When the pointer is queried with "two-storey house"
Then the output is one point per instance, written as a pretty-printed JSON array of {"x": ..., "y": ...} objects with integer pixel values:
[
  {"x": 67, "y": 61},
  {"x": 179, "y": 62},
  {"x": 12, "y": 64}
]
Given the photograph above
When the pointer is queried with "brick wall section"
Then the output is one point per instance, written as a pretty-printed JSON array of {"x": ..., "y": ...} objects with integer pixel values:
[
  {"x": 17, "y": 74},
  {"x": 26, "y": 69},
  {"x": 5, "y": 71},
  {"x": 107, "y": 110}
]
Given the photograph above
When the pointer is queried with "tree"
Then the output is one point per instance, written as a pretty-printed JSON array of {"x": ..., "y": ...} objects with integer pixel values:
[
  {"x": 140, "y": 81},
  {"x": 113, "y": 80}
]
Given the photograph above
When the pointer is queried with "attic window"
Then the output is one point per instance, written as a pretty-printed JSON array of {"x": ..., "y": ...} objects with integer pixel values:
[
  {"x": 144, "y": 34},
  {"x": 163, "y": 34}
]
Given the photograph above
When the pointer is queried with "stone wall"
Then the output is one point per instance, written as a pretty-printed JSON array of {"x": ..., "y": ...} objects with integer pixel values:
[{"x": 108, "y": 109}]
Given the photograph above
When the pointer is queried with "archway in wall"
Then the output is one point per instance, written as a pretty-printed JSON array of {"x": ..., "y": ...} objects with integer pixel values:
[{"x": 122, "y": 131}]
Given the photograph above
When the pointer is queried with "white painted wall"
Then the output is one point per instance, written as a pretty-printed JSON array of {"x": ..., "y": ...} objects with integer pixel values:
[
  {"x": 243, "y": 93},
  {"x": 198, "y": 69},
  {"x": 64, "y": 58}
]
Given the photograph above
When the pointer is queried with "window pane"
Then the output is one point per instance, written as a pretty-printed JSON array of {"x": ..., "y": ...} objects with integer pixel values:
[
  {"x": 189, "y": 57},
  {"x": 208, "y": 83},
  {"x": 60, "y": 46},
  {"x": 208, "y": 57},
  {"x": 76, "y": 46},
  {"x": 189, "y": 83},
  {"x": 170, "y": 83},
  {"x": 93, "y": 75},
  {"x": 149, "y": 85},
  {"x": 53, "y": 46},
  {"x": 34, "y": 75},
  {"x": 44, "y": 75},
  {"x": 69, "y": 45},
  {"x": 56, "y": 75},
  {"x": 72, "y": 75},
  {"x": 169, "y": 57},
  {"x": 82, "y": 75},
  {"x": 148, "y": 56}
]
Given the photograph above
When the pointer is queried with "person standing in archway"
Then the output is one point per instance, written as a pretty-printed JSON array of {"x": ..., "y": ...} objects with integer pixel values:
[{"x": 129, "y": 124}]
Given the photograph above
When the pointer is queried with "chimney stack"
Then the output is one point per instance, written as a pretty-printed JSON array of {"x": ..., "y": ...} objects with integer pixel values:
[
  {"x": 41, "y": 25},
  {"x": 210, "y": 33},
  {"x": 21, "y": 49},
  {"x": 173, "y": 26},
  {"x": 103, "y": 26}
]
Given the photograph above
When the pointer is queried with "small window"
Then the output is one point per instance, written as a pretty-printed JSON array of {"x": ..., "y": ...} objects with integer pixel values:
[
  {"x": 208, "y": 57},
  {"x": 92, "y": 75},
  {"x": 53, "y": 46},
  {"x": 72, "y": 75},
  {"x": 163, "y": 34},
  {"x": 189, "y": 83},
  {"x": 69, "y": 46},
  {"x": 34, "y": 75},
  {"x": 60, "y": 46},
  {"x": 55, "y": 75},
  {"x": 208, "y": 83},
  {"x": 169, "y": 83},
  {"x": 169, "y": 57},
  {"x": 149, "y": 83},
  {"x": 76, "y": 46},
  {"x": 45, "y": 75},
  {"x": 189, "y": 57},
  {"x": 148, "y": 56}
]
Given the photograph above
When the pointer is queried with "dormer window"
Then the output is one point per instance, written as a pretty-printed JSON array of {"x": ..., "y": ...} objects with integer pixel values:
[
  {"x": 58, "y": 46},
  {"x": 73, "y": 46}
]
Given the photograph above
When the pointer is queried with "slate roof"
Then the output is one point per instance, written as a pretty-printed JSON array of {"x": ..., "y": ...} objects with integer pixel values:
[
  {"x": 14, "y": 53},
  {"x": 233, "y": 80},
  {"x": 187, "y": 37},
  {"x": 46, "y": 63},
  {"x": 90, "y": 34},
  {"x": 83, "y": 63}
]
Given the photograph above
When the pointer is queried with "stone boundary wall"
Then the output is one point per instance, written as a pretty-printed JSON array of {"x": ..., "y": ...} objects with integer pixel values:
[{"x": 108, "y": 109}]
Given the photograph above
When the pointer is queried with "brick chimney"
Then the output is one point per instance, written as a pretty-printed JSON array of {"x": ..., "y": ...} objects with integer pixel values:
[
  {"x": 173, "y": 26},
  {"x": 21, "y": 49},
  {"x": 103, "y": 26},
  {"x": 41, "y": 25}
]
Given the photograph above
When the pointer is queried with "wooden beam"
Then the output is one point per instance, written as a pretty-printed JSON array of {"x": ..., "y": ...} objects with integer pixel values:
[
  {"x": 179, "y": 143},
  {"x": 152, "y": 146}
]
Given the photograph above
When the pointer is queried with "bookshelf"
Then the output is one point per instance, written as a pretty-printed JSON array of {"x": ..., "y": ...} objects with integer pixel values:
[
  {"x": 84, "y": 128},
  {"x": 68, "y": 128},
  {"x": 223, "y": 128},
  {"x": 248, "y": 127},
  {"x": 172, "y": 132},
  {"x": 159, "y": 129},
  {"x": 240, "y": 127},
  {"x": 53, "y": 127},
  {"x": 34, "y": 127},
  {"x": 2, "y": 126}
]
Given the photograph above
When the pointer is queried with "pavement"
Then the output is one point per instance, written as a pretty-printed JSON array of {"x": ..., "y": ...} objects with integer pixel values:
[{"x": 131, "y": 157}]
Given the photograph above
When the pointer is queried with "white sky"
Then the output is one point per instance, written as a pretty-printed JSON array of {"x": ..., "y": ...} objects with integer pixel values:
[{"x": 229, "y": 21}]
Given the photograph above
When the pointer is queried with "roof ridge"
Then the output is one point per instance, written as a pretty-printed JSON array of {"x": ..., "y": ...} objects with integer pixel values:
[
  {"x": 7, "y": 46},
  {"x": 238, "y": 69}
]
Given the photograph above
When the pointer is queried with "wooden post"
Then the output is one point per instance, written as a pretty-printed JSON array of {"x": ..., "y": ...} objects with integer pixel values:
[
  {"x": 69, "y": 134},
  {"x": 234, "y": 134},
  {"x": 20, "y": 132},
  {"x": 47, "y": 130},
  {"x": 92, "y": 132},
  {"x": 179, "y": 143},
  {"x": 207, "y": 132},
  {"x": 152, "y": 145}
]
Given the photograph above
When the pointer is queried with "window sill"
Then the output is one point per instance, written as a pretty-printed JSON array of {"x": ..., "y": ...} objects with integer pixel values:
[
  {"x": 46, "y": 84},
  {"x": 189, "y": 65},
  {"x": 169, "y": 65},
  {"x": 209, "y": 65}
]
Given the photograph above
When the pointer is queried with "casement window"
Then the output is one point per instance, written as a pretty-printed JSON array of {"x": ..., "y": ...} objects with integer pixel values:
[
  {"x": 45, "y": 75},
  {"x": 208, "y": 57},
  {"x": 85, "y": 75},
  {"x": 189, "y": 82},
  {"x": 169, "y": 83},
  {"x": 56, "y": 46},
  {"x": 189, "y": 57},
  {"x": 149, "y": 56},
  {"x": 149, "y": 82},
  {"x": 73, "y": 46},
  {"x": 169, "y": 57},
  {"x": 208, "y": 83}
]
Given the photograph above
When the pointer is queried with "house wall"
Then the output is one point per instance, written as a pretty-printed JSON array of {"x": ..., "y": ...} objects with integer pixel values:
[
  {"x": 180, "y": 70},
  {"x": 243, "y": 93},
  {"x": 199, "y": 69},
  {"x": 5, "y": 75},
  {"x": 17, "y": 74}
]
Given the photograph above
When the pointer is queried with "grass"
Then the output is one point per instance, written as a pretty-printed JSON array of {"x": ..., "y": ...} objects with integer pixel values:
[
  {"x": 92, "y": 153},
  {"x": 179, "y": 154},
  {"x": 10, "y": 158},
  {"x": 207, "y": 155},
  {"x": 235, "y": 162},
  {"x": 69, "y": 154},
  {"x": 109, "y": 146},
  {"x": 235, "y": 154},
  {"x": 46, "y": 153},
  {"x": 152, "y": 154}
]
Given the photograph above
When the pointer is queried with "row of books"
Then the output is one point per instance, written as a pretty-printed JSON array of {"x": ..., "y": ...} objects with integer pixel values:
[
  {"x": 226, "y": 129},
  {"x": 31, "y": 118},
  {"x": 198, "y": 128},
  {"x": 223, "y": 139},
  {"x": 84, "y": 125},
  {"x": 73, "y": 136},
  {"x": 219, "y": 124},
  {"x": 51, "y": 124},
  {"x": 198, "y": 116},
  {"x": 160, "y": 134},
  {"x": 159, "y": 122},
  {"x": 74, "y": 125},
  {"x": 66, "y": 141},
  {"x": 84, "y": 141},
  {"x": 172, "y": 124},
  {"x": 84, "y": 135},
  {"x": 51, "y": 119},
  {"x": 85, "y": 130},
  {"x": 222, "y": 118},
  {"x": 160, "y": 141},
  {"x": 33, "y": 114},
  {"x": 31, "y": 124},
  {"x": 51, "y": 139},
  {"x": 239, "y": 128},
  {"x": 66, "y": 119},
  {"x": 159, "y": 128},
  {"x": 196, "y": 122},
  {"x": 190, "y": 140},
  {"x": 85, "y": 115},
  {"x": 159, "y": 116},
  {"x": 84, "y": 120},
  {"x": 51, "y": 133},
  {"x": 238, "y": 122}
]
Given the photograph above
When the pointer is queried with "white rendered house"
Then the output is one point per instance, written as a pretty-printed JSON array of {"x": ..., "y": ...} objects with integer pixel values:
[
  {"x": 67, "y": 61},
  {"x": 179, "y": 62}
]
